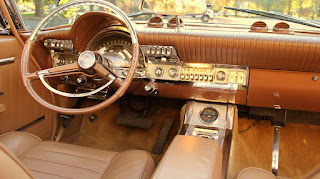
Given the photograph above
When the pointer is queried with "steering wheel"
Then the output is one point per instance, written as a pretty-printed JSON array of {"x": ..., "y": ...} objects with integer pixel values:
[{"x": 87, "y": 60}]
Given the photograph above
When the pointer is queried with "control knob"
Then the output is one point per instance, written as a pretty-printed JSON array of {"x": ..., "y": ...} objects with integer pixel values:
[{"x": 151, "y": 88}]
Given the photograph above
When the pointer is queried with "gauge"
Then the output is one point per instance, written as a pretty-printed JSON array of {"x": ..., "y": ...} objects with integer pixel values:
[
  {"x": 236, "y": 77},
  {"x": 208, "y": 115},
  {"x": 173, "y": 72},
  {"x": 221, "y": 75},
  {"x": 158, "y": 71}
]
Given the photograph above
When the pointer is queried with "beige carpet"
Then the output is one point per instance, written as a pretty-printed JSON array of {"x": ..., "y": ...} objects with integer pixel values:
[
  {"x": 106, "y": 134},
  {"x": 252, "y": 147}
]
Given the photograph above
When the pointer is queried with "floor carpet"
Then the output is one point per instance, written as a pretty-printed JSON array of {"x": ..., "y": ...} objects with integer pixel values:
[
  {"x": 252, "y": 147},
  {"x": 106, "y": 134}
]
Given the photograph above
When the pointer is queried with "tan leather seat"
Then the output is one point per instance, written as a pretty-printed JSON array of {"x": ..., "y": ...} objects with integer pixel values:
[{"x": 59, "y": 160}]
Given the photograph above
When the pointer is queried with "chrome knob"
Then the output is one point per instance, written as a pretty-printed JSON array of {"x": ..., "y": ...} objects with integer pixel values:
[{"x": 150, "y": 88}]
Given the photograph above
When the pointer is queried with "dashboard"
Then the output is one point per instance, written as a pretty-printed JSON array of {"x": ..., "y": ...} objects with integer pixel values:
[
  {"x": 157, "y": 64},
  {"x": 208, "y": 63}
]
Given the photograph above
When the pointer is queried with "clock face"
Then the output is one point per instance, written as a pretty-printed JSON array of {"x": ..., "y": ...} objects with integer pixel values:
[{"x": 208, "y": 115}]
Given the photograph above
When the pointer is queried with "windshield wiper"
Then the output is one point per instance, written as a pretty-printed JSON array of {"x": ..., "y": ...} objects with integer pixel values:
[
  {"x": 277, "y": 15},
  {"x": 140, "y": 13}
]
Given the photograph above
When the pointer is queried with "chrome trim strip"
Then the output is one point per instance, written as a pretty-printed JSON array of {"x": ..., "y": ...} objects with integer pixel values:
[
  {"x": 7, "y": 60},
  {"x": 275, "y": 150}
]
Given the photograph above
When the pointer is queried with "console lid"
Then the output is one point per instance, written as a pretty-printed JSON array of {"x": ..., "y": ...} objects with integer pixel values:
[{"x": 190, "y": 157}]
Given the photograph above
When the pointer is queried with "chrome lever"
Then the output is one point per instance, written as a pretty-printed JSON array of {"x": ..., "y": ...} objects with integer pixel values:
[{"x": 6, "y": 60}]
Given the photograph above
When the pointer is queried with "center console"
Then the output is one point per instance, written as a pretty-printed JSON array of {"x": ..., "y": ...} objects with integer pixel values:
[{"x": 209, "y": 120}]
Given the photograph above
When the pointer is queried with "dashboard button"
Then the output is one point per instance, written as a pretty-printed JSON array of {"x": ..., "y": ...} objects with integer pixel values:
[
  {"x": 205, "y": 77},
  {"x": 163, "y": 51},
  {"x": 196, "y": 76},
  {"x": 200, "y": 77},
  {"x": 191, "y": 76},
  {"x": 169, "y": 51},
  {"x": 210, "y": 78},
  {"x": 182, "y": 76},
  {"x": 187, "y": 76}
]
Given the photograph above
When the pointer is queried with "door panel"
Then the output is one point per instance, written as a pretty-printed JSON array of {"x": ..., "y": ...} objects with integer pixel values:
[{"x": 21, "y": 109}]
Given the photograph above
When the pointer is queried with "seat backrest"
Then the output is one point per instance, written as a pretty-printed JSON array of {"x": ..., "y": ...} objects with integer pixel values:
[{"x": 11, "y": 167}]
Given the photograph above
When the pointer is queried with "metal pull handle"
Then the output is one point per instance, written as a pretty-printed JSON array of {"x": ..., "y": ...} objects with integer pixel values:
[{"x": 6, "y": 60}]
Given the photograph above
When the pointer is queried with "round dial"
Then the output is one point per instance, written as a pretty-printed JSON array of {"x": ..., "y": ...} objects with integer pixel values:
[
  {"x": 173, "y": 72},
  {"x": 209, "y": 115},
  {"x": 221, "y": 76},
  {"x": 158, "y": 71}
]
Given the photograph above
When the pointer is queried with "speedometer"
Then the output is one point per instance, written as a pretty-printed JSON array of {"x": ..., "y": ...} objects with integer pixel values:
[{"x": 116, "y": 47}]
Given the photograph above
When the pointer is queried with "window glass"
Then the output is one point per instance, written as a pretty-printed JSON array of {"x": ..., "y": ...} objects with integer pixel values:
[{"x": 33, "y": 11}]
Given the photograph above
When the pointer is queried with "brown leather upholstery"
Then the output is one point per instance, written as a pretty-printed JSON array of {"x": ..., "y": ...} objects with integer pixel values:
[
  {"x": 10, "y": 166},
  {"x": 191, "y": 157},
  {"x": 59, "y": 160}
]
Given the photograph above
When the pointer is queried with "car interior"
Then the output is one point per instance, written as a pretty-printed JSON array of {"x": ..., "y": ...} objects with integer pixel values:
[{"x": 95, "y": 94}]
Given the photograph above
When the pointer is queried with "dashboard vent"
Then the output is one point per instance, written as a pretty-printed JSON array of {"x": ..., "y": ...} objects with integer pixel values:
[
  {"x": 259, "y": 26},
  {"x": 156, "y": 22},
  {"x": 282, "y": 27},
  {"x": 172, "y": 23}
]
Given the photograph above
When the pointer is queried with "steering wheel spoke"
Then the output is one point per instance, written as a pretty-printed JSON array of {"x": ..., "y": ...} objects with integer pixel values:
[
  {"x": 68, "y": 69},
  {"x": 108, "y": 73}
]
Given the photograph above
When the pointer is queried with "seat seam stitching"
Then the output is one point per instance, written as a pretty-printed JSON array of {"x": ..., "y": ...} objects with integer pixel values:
[
  {"x": 69, "y": 154},
  {"x": 105, "y": 171},
  {"x": 61, "y": 164},
  {"x": 61, "y": 144},
  {"x": 49, "y": 173}
]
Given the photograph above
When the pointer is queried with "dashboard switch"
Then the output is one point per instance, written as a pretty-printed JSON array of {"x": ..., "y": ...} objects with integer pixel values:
[
  {"x": 200, "y": 77},
  {"x": 182, "y": 76},
  {"x": 169, "y": 51},
  {"x": 205, "y": 78},
  {"x": 196, "y": 76},
  {"x": 210, "y": 78}
]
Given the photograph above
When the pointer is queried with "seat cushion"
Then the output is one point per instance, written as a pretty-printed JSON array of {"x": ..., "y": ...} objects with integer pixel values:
[{"x": 59, "y": 160}]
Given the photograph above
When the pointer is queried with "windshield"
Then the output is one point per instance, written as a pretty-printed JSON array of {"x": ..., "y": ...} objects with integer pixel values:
[{"x": 32, "y": 11}]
